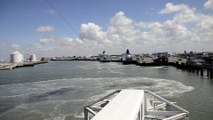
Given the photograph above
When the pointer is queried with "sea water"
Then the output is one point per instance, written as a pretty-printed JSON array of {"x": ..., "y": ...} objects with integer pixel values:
[{"x": 60, "y": 90}]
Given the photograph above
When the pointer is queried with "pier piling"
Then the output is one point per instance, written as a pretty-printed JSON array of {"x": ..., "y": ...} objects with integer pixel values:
[
  {"x": 208, "y": 75},
  {"x": 193, "y": 70},
  {"x": 211, "y": 73},
  {"x": 197, "y": 71},
  {"x": 201, "y": 71}
]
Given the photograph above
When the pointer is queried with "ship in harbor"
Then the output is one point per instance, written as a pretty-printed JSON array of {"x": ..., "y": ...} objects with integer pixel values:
[
  {"x": 104, "y": 57},
  {"x": 128, "y": 58},
  {"x": 161, "y": 58}
]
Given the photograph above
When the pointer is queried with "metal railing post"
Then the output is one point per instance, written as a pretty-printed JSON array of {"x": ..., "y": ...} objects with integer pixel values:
[{"x": 86, "y": 115}]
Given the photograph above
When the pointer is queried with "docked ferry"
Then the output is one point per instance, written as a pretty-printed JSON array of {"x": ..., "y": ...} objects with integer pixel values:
[{"x": 128, "y": 58}]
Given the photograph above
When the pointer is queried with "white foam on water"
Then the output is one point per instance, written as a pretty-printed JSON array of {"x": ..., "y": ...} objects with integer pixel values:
[
  {"x": 100, "y": 95},
  {"x": 163, "y": 87},
  {"x": 116, "y": 72},
  {"x": 56, "y": 113},
  {"x": 94, "y": 88},
  {"x": 51, "y": 114},
  {"x": 159, "y": 67},
  {"x": 167, "y": 88},
  {"x": 24, "y": 89},
  {"x": 81, "y": 115}
]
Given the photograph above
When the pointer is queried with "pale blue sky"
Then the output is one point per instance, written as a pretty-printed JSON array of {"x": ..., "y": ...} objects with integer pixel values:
[{"x": 20, "y": 18}]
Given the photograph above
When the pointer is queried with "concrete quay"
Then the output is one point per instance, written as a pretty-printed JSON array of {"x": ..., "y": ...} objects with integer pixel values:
[{"x": 9, "y": 66}]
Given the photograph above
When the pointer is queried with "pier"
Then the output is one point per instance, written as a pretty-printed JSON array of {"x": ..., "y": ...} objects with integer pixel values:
[
  {"x": 7, "y": 66},
  {"x": 196, "y": 69},
  {"x": 10, "y": 66}
]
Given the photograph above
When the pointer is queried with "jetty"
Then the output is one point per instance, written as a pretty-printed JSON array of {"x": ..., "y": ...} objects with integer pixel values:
[
  {"x": 7, "y": 66},
  {"x": 10, "y": 66},
  {"x": 198, "y": 69},
  {"x": 130, "y": 104},
  {"x": 197, "y": 63},
  {"x": 128, "y": 58}
]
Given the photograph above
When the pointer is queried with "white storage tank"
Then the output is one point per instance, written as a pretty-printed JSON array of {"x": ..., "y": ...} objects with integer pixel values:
[
  {"x": 16, "y": 57},
  {"x": 33, "y": 58}
]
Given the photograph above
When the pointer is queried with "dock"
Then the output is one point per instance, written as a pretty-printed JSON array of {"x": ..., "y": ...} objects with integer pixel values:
[
  {"x": 197, "y": 69},
  {"x": 10, "y": 66},
  {"x": 130, "y": 104},
  {"x": 197, "y": 63},
  {"x": 7, "y": 66}
]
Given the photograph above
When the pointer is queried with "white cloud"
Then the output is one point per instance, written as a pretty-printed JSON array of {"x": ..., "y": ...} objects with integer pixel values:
[
  {"x": 91, "y": 32},
  {"x": 16, "y": 46},
  {"x": 52, "y": 46},
  {"x": 204, "y": 28},
  {"x": 122, "y": 30},
  {"x": 54, "y": 42},
  {"x": 45, "y": 29},
  {"x": 141, "y": 25},
  {"x": 2, "y": 44},
  {"x": 46, "y": 41},
  {"x": 51, "y": 12},
  {"x": 184, "y": 14},
  {"x": 208, "y": 4},
  {"x": 186, "y": 30},
  {"x": 178, "y": 33},
  {"x": 171, "y": 8}
]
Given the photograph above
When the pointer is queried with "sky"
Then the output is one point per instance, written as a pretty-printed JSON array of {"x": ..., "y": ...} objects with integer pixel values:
[{"x": 50, "y": 28}]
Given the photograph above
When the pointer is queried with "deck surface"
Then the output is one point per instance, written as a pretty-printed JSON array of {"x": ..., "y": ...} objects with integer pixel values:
[{"x": 124, "y": 106}]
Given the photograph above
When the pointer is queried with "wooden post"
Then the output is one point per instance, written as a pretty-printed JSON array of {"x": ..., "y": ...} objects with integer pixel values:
[
  {"x": 211, "y": 73},
  {"x": 201, "y": 71},
  {"x": 197, "y": 71},
  {"x": 189, "y": 69},
  {"x": 207, "y": 70}
]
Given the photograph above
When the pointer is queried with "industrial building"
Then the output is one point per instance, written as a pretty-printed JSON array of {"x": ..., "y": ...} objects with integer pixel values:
[
  {"x": 16, "y": 57},
  {"x": 33, "y": 58}
]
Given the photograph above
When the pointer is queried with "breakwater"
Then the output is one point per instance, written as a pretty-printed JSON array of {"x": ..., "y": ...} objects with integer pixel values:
[{"x": 9, "y": 66}]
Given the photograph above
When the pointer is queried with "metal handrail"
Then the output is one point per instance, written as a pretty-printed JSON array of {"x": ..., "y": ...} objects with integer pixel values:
[{"x": 144, "y": 113}]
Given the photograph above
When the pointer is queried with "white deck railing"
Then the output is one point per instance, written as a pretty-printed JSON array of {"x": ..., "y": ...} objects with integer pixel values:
[{"x": 134, "y": 105}]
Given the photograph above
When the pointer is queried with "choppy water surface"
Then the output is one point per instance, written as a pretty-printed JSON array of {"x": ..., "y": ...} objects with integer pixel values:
[{"x": 59, "y": 90}]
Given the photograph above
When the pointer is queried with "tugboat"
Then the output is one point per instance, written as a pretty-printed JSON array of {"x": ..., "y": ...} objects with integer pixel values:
[{"x": 128, "y": 58}]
